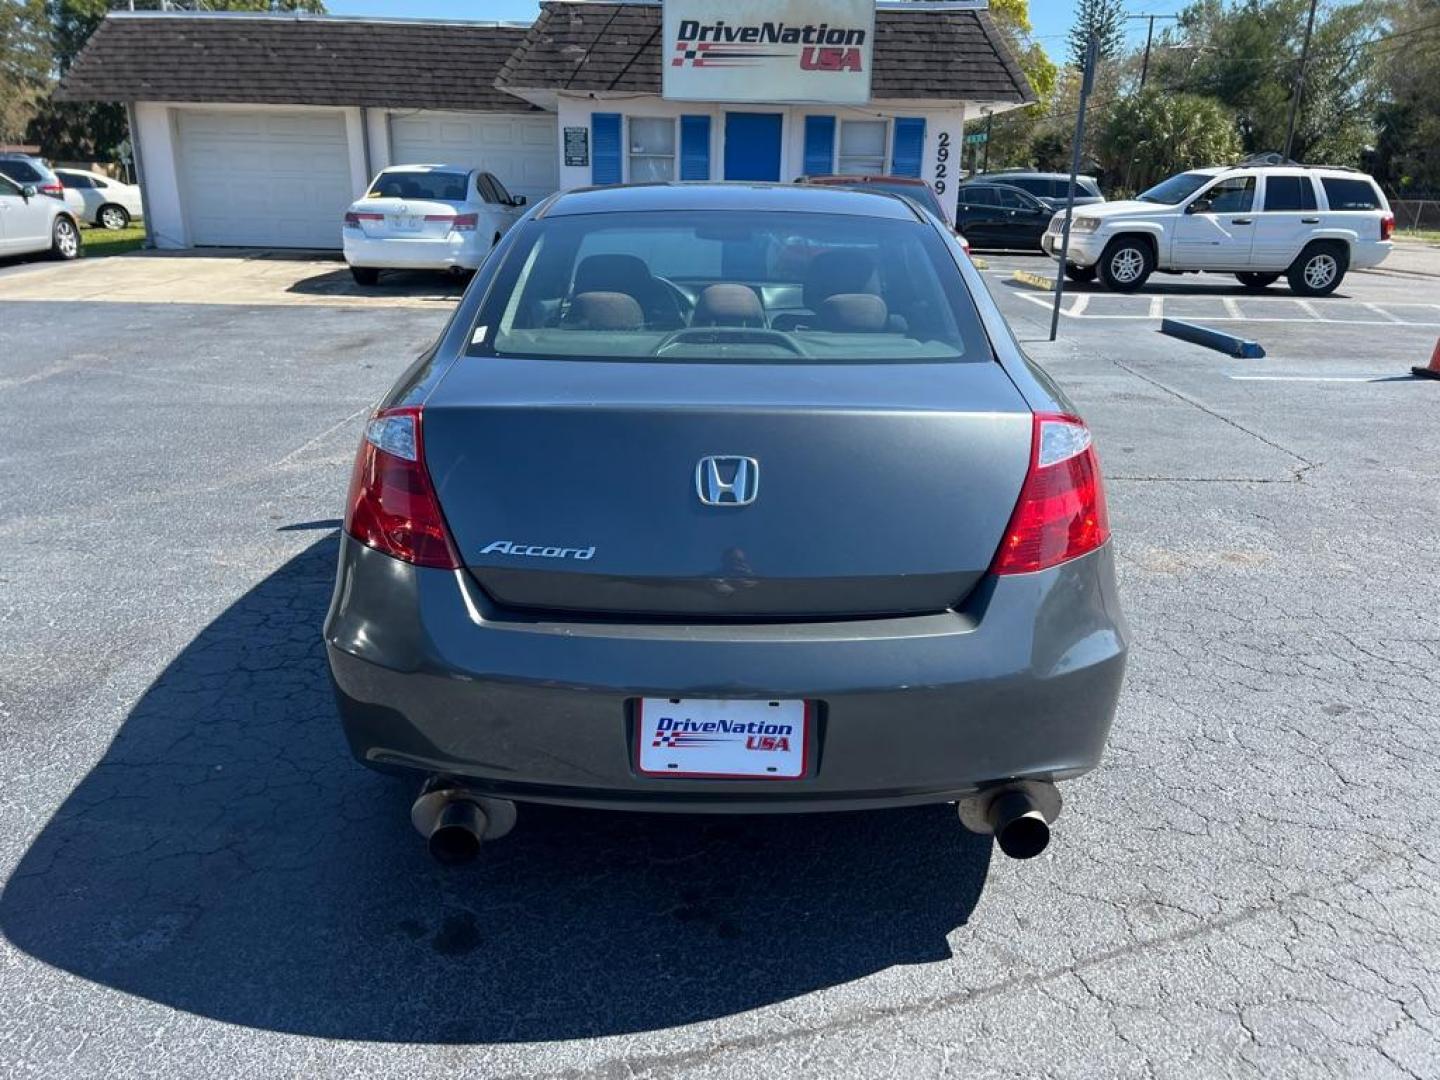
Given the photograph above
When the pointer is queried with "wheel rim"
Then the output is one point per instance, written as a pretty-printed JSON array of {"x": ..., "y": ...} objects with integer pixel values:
[
  {"x": 65, "y": 238},
  {"x": 1126, "y": 264},
  {"x": 1320, "y": 271},
  {"x": 112, "y": 219}
]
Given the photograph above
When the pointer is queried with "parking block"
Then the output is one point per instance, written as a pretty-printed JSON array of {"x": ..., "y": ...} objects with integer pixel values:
[
  {"x": 1025, "y": 277},
  {"x": 1212, "y": 339}
]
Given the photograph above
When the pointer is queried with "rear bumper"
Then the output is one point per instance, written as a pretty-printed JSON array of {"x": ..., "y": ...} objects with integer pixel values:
[
  {"x": 1370, "y": 253},
  {"x": 1022, "y": 683},
  {"x": 465, "y": 250}
]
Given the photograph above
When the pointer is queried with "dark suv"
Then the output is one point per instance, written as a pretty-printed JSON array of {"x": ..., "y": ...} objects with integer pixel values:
[{"x": 1049, "y": 188}]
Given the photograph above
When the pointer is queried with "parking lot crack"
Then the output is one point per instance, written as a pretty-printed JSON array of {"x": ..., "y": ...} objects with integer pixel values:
[{"x": 1208, "y": 411}]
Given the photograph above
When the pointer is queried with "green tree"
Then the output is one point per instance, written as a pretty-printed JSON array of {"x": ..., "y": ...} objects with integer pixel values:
[
  {"x": 1407, "y": 119},
  {"x": 1106, "y": 20},
  {"x": 1147, "y": 136},
  {"x": 1246, "y": 55},
  {"x": 92, "y": 131},
  {"x": 1011, "y": 133},
  {"x": 25, "y": 64},
  {"x": 1050, "y": 152}
]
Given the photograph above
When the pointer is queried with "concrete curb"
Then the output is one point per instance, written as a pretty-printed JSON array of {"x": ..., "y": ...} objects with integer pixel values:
[{"x": 1212, "y": 339}]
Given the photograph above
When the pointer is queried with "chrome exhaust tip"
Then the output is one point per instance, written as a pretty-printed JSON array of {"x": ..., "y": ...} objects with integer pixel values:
[
  {"x": 456, "y": 821},
  {"x": 1018, "y": 815},
  {"x": 458, "y": 833}
]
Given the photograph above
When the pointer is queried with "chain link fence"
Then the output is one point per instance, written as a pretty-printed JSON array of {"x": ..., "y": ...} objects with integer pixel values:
[{"x": 1416, "y": 213}]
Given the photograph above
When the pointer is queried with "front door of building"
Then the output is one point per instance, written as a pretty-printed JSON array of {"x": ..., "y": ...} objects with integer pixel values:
[{"x": 752, "y": 146}]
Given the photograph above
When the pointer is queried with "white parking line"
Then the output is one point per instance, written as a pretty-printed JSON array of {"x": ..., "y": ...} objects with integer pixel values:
[
  {"x": 1231, "y": 307},
  {"x": 1078, "y": 310},
  {"x": 1381, "y": 311},
  {"x": 1314, "y": 378}
]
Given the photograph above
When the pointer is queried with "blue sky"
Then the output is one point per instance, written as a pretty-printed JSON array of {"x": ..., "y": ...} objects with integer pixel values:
[{"x": 1052, "y": 18}]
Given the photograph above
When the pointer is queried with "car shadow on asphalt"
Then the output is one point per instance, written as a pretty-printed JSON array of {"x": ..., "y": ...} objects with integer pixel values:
[
  {"x": 229, "y": 859},
  {"x": 412, "y": 284}
]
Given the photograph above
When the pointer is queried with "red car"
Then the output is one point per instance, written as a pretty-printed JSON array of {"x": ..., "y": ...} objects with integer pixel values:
[{"x": 911, "y": 187}]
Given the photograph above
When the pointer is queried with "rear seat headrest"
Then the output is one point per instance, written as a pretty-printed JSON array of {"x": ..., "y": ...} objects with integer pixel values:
[
  {"x": 853, "y": 312},
  {"x": 605, "y": 311},
  {"x": 728, "y": 305}
]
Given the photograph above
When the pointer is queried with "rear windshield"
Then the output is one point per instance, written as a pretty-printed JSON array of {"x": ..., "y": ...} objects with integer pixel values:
[
  {"x": 730, "y": 286},
  {"x": 921, "y": 193},
  {"x": 1344, "y": 194},
  {"x": 403, "y": 184},
  {"x": 21, "y": 170}
]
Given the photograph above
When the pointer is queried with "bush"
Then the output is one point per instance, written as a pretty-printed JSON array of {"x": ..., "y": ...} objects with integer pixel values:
[{"x": 1147, "y": 136}]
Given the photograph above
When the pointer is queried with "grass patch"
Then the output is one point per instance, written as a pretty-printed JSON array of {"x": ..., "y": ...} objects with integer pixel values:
[
  {"x": 1425, "y": 236},
  {"x": 96, "y": 243}
]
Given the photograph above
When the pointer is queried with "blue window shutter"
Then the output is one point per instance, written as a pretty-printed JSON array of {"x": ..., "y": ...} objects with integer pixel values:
[
  {"x": 908, "y": 151},
  {"x": 819, "y": 145},
  {"x": 694, "y": 148},
  {"x": 605, "y": 148}
]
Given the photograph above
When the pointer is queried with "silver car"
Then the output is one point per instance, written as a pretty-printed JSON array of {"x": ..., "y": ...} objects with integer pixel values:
[{"x": 727, "y": 498}]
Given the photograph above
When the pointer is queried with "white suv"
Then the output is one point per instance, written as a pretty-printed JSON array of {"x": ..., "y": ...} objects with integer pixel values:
[{"x": 1256, "y": 222}]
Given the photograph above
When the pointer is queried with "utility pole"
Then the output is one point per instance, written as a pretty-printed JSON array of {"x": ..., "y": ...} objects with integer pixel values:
[
  {"x": 1092, "y": 54},
  {"x": 1299, "y": 83},
  {"x": 1149, "y": 36}
]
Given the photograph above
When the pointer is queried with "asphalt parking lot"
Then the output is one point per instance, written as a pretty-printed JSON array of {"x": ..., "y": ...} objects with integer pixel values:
[{"x": 198, "y": 881}]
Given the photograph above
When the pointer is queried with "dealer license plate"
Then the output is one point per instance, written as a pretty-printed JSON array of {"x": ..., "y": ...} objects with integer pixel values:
[
  {"x": 700, "y": 737},
  {"x": 407, "y": 222}
]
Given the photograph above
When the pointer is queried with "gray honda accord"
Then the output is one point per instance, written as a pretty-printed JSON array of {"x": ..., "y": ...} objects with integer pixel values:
[{"x": 727, "y": 498}]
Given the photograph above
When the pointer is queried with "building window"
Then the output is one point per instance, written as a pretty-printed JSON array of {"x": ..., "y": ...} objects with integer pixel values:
[
  {"x": 862, "y": 148},
  {"x": 652, "y": 149}
]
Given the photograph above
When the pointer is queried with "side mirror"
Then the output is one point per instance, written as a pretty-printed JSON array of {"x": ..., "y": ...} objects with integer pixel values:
[
  {"x": 1199, "y": 206},
  {"x": 518, "y": 200},
  {"x": 28, "y": 192}
]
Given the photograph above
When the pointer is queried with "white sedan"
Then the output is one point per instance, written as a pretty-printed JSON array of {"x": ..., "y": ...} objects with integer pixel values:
[
  {"x": 32, "y": 222},
  {"x": 427, "y": 217},
  {"x": 100, "y": 200}
]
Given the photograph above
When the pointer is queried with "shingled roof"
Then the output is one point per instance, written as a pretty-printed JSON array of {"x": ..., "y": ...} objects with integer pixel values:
[
  {"x": 939, "y": 53},
  {"x": 288, "y": 60}
]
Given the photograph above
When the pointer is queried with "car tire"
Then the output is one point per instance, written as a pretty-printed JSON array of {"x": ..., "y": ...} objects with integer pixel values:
[
  {"x": 1082, "y": 274},
  {"x": 64, "y": 239},
  {"x": 1126, "y": 263},
  {"x": 1253, "y": 280},
  {"x": 365, "y": 275},
  {"x": 112, "y": 217},
  {"x": 1319, "y": 269}
]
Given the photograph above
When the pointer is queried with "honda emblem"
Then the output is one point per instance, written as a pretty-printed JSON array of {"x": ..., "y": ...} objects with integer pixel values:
[{"x": 727, "y": 480}]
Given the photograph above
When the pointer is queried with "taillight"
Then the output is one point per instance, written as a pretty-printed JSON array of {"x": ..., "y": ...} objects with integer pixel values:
[
  {"x": 392, "y": 506},
  {"x": 54, "y": 190},
  {"x": 1387, "y": 226},
  {"x": 1061, "y": 511},
  {"x": 353, "y": 218},
  {"x": 466, "y": 222}
]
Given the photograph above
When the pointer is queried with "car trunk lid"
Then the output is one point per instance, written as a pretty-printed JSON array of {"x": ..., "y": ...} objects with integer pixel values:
[
  {"x": 406, "y": 219},
  {"x": 579, "y": 485}
]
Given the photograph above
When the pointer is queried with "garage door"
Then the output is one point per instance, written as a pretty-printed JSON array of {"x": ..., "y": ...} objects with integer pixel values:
[
  {"x": 264, "y": 179},
  {"x": 519, "y": 148}
]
